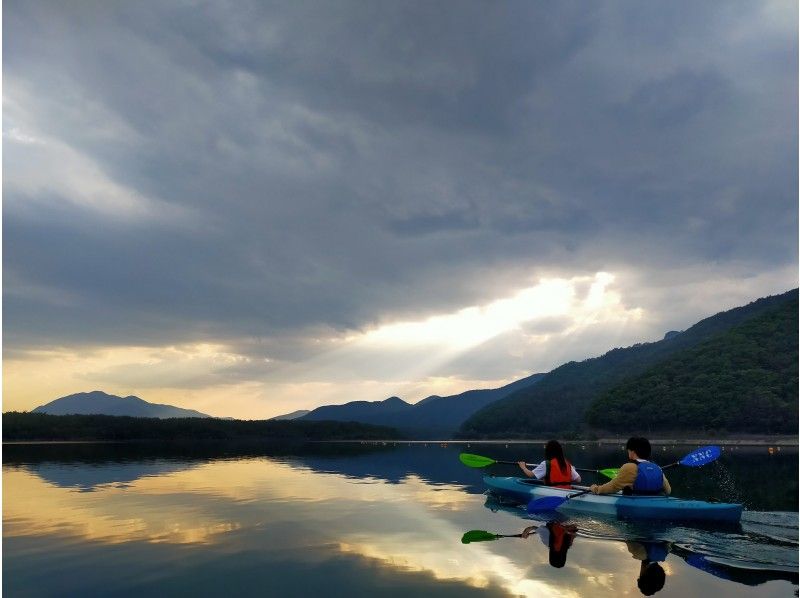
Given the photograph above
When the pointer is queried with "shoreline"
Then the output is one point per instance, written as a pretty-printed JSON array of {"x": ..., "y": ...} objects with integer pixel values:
[
  {"x": 758, "y": 441},
  {"x": 786, "y": 441}
]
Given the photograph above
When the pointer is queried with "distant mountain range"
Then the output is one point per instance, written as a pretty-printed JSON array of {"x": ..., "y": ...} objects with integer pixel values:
[
  {"x": 734, "y": 371},
  {"x": 557, "y": 402},
  {"x": 293, "y": 414},
  {"x": 432, "y": 417},
  {"x": 98, "y": 402}
]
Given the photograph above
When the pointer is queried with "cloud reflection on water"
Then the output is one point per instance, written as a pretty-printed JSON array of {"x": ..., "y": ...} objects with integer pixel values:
[{"x": 275, "y": 511}]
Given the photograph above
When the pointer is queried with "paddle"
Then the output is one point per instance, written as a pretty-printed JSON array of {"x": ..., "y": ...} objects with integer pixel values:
[
  {"x": 698, "y": 457},
  {"x": 550, "y": 503},
  {"x": 471, "y": 460},
  {"x": 477, "y": 535}
]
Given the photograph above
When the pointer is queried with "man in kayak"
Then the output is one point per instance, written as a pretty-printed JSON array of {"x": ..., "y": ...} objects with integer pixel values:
[
  {"x": 555, "y": 470},
  {"x": 651, "y": 574},
  {"x": 638, "y": 476}
]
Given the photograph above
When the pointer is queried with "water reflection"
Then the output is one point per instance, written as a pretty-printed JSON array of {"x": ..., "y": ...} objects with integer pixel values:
[
  {"x": 721, "y": 554},
  {"x": 558, "y": 537},
  {"x": 332, "y": 520}
]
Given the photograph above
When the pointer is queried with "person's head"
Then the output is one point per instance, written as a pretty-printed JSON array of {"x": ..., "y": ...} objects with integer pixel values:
[
  {"x": 559, "y": 543},
  {"x": 553, "y": 450},
  {"x": 651, "y": 579},
  {"x": 558, "y": 558},
  {"x": 640, "y": 446}
]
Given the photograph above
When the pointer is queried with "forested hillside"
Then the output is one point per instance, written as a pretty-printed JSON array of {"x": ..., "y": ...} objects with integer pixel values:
[
  {"x": 558, "y": 403},
  {"x": 744, "y": 380},
  {"x": 40, "y": 426}
]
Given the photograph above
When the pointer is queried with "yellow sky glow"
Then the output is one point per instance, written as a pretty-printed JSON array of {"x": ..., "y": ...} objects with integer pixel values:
[{"x": 208, "y": 376}]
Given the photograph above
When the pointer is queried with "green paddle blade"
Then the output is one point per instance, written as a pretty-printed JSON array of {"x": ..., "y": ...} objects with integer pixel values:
[
  {"x": 610, "y": 473},
  {"x": 477, "y": 535},
  {"x": 475, "y": 460}
]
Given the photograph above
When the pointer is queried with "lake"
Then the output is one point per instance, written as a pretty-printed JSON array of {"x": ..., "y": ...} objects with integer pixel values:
[{"x": 339, "y": 519}]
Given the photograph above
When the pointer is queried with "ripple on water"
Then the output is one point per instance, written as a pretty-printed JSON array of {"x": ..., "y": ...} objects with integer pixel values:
[{"x": 763, "y": 540}]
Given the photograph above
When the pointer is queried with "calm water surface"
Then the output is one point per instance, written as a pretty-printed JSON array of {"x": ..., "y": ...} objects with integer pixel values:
[{"x": 352, "y": 520}]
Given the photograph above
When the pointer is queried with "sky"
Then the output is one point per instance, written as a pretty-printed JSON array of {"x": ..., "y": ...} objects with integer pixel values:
[{"x": 252, "y": 208}]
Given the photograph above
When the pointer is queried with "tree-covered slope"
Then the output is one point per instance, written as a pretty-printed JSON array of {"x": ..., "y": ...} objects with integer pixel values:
[
  {"x": 743, "y": 380},
  {"x": 42, "y": 426},
  {"x": 558, "y": 402}
]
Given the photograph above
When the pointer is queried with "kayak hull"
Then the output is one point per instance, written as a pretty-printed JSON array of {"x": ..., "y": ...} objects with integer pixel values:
[{"x": 660, "y": 507}]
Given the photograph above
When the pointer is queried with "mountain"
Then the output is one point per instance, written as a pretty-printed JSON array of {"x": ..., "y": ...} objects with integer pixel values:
[
  {"x": 557, "y": 404},
  {"x": 433, "y": 416},
  {"x": 99, "y": 403},
  {"x": 366, "y": 412},
  {"x": 292, "y": 415},
  {"x": 743, "y": 380}
]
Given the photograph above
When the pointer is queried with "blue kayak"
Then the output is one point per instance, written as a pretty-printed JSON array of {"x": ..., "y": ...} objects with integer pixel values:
[{"x": 524, "y": 490}]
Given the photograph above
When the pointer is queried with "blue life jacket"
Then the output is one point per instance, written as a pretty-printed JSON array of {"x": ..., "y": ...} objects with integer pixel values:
[
  {"x": 649, "y": 480},
  {"x": 656, "y": 551}
]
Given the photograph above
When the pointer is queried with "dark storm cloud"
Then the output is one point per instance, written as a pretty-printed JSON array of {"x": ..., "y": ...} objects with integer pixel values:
[{"x": 344, "y": 164}]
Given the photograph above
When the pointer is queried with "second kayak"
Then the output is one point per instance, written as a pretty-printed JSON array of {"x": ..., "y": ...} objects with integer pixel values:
[{"x": 625, "y": 507}]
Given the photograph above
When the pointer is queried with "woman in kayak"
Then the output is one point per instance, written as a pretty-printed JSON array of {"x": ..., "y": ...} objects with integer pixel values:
[
  {"x": 555, "y": 470},
  {"x": 638, "y": 475},
  {"x": 557, "y": 537}
]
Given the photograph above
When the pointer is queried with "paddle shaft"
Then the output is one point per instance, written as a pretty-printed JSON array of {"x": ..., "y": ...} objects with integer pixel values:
[
  {"x": 516, "y": 463},
  {"x": 581, "y": 493},
  {"x": 535, "y": 464},
  {"x": 479, "y": 461},
  {"x": 701, "y": 456},
  {"x": 547, "y": 503}
]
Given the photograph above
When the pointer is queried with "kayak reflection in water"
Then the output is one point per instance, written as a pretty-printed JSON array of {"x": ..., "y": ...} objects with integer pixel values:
[
  {"x": 557, "y": 537},
  {"x": 651, "y": 574}
]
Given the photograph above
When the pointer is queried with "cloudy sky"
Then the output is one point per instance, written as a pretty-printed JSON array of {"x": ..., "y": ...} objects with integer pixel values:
[{"x": 252, "y": 208}]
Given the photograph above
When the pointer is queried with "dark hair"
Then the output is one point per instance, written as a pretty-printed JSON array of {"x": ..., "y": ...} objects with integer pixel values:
[
  {"x": 640, "y": 446},
  {"x": 652, "y": 579},
  {"x": 553, "y": 450},
  {"x": 558, "y": 558}
]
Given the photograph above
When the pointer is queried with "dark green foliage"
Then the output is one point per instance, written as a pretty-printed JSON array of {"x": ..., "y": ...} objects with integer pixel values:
[
  {"x": 558, "y": 402},
  {"x": 743, "y": 380},
  {"x": 40, "y": 426}
]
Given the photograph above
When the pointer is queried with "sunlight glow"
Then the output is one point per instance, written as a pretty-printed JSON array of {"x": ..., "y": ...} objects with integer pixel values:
[
  {"x": 475, "y": 325},
  {"x": 537, "y": 328}
]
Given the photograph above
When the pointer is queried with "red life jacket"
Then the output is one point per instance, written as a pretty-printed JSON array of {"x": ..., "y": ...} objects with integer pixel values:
[
  {"x": 555, "y": 476},
  {"x": 556, "y": 536}
]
